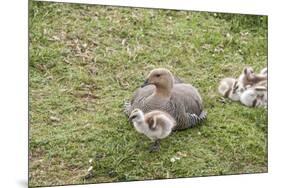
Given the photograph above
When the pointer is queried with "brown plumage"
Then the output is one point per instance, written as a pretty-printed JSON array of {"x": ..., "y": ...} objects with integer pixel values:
[
  {"x": 249, "y": 78},
  {"x": 160, "y": 92},
  {"x": 256, "y": 91},
  {"x": 255, "y": 86},
  {"x": 262, "y": 83}
]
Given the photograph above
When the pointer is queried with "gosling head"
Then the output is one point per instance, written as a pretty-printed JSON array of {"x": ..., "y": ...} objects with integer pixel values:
[
  {"x": 246, "y": 77},
  {"x": 160, "y": 77},
  {"x": 248, "y": 71},
  {"x": 136, "y": 115},
  {"x": 250, "y": 78}
]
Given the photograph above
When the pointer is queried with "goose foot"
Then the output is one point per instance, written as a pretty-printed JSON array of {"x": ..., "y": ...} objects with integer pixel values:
[{"x": 155, "y": 146}]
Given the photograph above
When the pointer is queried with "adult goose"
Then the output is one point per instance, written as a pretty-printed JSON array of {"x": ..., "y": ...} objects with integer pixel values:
[{"x": 160, "y": 92}]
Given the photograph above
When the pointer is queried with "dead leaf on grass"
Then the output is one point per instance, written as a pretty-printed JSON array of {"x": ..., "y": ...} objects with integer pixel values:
[{"x": 85, "y": 95}]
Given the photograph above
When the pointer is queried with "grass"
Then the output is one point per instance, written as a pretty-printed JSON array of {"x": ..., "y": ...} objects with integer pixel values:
[{"x": 85, "y": 61}]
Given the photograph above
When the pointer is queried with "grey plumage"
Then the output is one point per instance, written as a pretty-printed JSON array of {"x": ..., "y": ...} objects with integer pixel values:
[
  {"x": 182, "y": 101},
  {"x": 156, "y": 125}
]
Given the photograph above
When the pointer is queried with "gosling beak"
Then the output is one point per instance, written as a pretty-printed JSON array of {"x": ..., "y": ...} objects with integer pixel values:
[{"x": 145, "y": 83}]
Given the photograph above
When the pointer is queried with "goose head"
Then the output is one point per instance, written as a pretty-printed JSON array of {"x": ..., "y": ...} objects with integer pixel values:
[
  {"x": 161, "y": 78},
  {"x": 136, "y": 115}
]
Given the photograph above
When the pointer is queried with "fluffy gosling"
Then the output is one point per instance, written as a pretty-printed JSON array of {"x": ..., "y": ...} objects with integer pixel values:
[
  {"x": 156, "y": 125},
  {"x": 229, "y": 88},
  {"x": 254, "y": 97},
  {"x": 249, "y": 78}
]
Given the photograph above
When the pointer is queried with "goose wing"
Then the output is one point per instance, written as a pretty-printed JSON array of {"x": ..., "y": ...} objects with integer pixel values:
[
  {"x": 138, "y": 98},
  {"x": 188, "y": 97}
]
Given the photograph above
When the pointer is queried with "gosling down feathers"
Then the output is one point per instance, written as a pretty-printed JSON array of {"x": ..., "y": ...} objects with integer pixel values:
[
  {"x": 248, "y": 77},
  {"x": 255, "y": 97},
  {"x": 229, "y": 88},
  {"x": 155, "y": 125},
  {"x": 160, "y": 92}
]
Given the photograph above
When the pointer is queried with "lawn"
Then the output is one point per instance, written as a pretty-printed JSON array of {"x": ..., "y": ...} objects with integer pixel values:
[{"x": 85, "y": 61}]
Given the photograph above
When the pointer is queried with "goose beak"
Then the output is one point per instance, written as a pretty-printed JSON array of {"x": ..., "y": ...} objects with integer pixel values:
[{"x": 145, "y": 83}]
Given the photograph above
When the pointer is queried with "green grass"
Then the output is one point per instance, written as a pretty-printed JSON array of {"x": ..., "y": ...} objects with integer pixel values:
[{"x": 85, "y": 61}]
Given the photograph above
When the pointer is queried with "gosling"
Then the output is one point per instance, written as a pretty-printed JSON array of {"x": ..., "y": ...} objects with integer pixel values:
[
  {"x": 255, "y": 97},
  {"x": 249, "y": 78},
  {"x": 160, "y": 92},
  {"x": 156, "y": 125},
  {"x": 229, "y": 88}
]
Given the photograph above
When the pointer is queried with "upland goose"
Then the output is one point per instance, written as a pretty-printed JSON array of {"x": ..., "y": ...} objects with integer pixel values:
[{"x": 160, "y": 92}]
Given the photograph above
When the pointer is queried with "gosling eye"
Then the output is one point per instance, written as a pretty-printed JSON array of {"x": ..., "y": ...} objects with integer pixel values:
[{"x": 158, "y": 75}]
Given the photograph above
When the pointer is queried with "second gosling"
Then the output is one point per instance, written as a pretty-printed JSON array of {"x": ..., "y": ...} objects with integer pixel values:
[
  {"x": 229, "y": 88},
  {"x": 156, "y": 125}
]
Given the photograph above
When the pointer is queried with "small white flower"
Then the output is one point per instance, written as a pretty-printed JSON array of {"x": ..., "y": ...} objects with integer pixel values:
[
  {"x": 90, "y": 161},
  {"x": 173, "y": 159},
  {"x": 84, "y": 45},
  {"x": 90, "y": 169}
]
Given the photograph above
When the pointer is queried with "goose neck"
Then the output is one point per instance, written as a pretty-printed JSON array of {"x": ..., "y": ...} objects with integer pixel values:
[{"x": 163, "y": 91}]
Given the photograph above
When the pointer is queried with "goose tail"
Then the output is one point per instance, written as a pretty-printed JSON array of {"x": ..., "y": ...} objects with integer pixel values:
[
  {"x": 192, "y": 120},
  {"x": 195, "y": 119}
]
